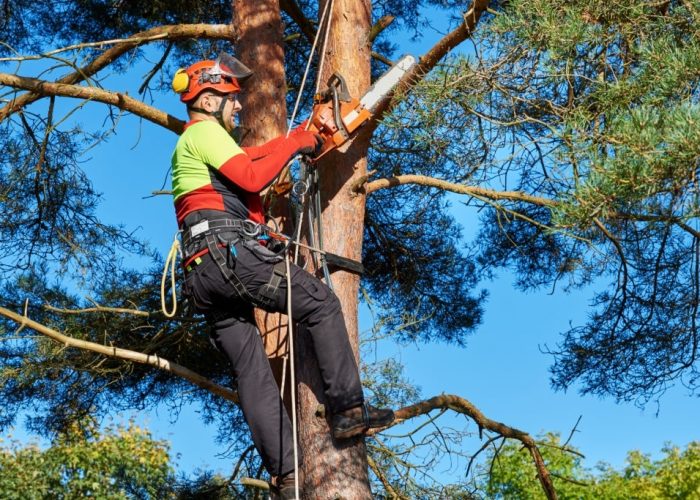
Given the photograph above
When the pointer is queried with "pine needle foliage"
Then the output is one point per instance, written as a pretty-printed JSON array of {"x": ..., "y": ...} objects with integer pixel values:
[{"x": 598, "y": 103}]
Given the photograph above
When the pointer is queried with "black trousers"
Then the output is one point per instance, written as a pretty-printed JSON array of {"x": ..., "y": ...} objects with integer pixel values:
[{"x": 236, "y": 334}]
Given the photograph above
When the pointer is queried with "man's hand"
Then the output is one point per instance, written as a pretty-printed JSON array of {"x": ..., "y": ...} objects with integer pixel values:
[{"x": 310, "y": 143}]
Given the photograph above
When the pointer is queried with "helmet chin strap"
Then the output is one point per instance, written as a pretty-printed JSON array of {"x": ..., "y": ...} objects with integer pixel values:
[{"x": 218, "y": 114}]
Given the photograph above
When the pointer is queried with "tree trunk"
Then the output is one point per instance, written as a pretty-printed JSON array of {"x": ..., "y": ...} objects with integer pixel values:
[
  {"x": 259, "y": 46},
  {"x": 338, "y": 470},
  {"x": 331, "y": 470}
]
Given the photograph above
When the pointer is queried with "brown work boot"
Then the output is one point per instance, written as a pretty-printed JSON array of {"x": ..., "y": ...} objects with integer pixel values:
[
  {"x": 282, "y": 488},
  {"x": 359, "y": 420}
]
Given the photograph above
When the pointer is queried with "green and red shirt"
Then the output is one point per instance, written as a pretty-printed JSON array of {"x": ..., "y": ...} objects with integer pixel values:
[{"x": 211, "y": 172}]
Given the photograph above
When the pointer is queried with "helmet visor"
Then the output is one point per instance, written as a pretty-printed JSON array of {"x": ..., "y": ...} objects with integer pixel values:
[{"x": 228, "y": 66}]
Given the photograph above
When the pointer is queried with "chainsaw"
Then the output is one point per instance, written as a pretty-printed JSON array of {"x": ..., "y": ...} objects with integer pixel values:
[{"x": 337, "y": 116}]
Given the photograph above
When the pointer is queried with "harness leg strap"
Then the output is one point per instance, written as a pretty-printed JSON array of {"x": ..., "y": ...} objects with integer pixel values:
[
  {"x": 267, "y": 294},
  {"x": 221, "y": 261}
]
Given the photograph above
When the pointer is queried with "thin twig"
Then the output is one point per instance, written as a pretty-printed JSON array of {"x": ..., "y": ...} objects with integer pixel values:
[{"x": 156, "y": 68}]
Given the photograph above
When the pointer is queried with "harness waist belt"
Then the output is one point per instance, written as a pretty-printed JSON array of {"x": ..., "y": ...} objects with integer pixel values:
[
  {"x": 194, "y": 237},
  {"x": 203, "y": 227}
]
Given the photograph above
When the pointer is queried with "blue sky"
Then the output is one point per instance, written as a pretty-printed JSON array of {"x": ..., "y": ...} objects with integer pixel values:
[{"x": 501, "y": 370}]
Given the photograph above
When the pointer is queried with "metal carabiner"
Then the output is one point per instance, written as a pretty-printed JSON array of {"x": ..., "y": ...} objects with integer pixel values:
[
  {"x": 178, "y": 237},
  {"x": 300, "y": 188},
  {"x": 251, "y": 229}
]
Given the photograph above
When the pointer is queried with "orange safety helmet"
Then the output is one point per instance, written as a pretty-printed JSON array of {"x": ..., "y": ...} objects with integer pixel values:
[{"x": 224, "y": 75}]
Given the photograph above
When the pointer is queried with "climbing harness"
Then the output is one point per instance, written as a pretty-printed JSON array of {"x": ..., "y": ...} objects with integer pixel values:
[{"x": 218, "y": 237}]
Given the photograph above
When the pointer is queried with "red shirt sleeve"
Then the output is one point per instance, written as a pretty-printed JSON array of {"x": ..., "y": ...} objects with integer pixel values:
[
  {"x": 254, "y": 175},
  {"x": 256, "y": 152}
]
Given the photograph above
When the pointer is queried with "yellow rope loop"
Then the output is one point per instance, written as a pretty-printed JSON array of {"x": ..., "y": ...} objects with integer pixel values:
[{"x": 170, "y": 263}]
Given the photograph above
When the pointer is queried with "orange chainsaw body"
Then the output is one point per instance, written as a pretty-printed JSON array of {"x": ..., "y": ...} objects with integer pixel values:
[
  {"x": 336, "y": 115},
  {"x": 324, "y": 122}
]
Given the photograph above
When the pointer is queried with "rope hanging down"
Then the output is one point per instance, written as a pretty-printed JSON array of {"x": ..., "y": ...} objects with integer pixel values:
[
  {"x": 170, "y": 263},
  {"x": 327, "y": 14}
]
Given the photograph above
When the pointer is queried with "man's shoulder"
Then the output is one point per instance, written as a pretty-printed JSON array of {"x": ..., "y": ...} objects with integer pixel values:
[
  {"x": 204, "y": 127},
  {"x": 203, "y": 134}
]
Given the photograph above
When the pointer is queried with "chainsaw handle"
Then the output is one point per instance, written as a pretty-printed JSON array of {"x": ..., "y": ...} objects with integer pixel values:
[
  {"x": 337, "y": 115},
  {"x": 338, "y": 82},
  {"x": 336, "y": 85}
]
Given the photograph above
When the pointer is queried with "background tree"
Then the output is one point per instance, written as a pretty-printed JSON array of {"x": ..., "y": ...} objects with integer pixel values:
[
  {"x": 569, "y": 126},
  {"x": 673, "y": 475},
  {"x": 119, "y": 463}
]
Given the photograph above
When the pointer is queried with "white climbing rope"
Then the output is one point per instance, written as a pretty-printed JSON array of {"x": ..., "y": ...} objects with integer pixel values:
[
  {"x": 292, "y": 377},
  {"x": 329, "y": 5},
  {"x": 170, "y": 264},
  {"x": 326, "y": 15}
]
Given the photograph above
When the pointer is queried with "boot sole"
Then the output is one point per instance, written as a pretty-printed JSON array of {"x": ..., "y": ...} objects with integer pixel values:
[{"x": 358, "y": 430}]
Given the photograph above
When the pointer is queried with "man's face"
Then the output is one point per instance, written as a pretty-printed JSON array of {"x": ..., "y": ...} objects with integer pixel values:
[{"x": 231, "y": 106}]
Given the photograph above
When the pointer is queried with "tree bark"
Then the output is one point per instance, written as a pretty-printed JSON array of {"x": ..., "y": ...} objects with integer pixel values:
[
  {"x": 334, "y": 469},
  {"x": 331, "y": 470},
  {"x": 258, "y": 26}
]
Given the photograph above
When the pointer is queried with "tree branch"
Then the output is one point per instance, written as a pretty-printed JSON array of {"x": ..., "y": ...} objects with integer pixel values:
[
  {"x": 385, "y": 482},
  {"x": 361, "y": 185},
  {"x": 43, "y": 88},
  {"x": 255, "y": 483},
  {"x": 461, "y": 405},
  {"x": 429, "y": 60},
  {"x": 168, "y": 32},
  {"x": 423, "y": 180},
  {"x": 383, "y": 59},
  {"x": 124, "y": 354},
  {"x": 381, "y": 24},
  {"x": 292, "y": 9},
  {"x": 115, "y": 310}
]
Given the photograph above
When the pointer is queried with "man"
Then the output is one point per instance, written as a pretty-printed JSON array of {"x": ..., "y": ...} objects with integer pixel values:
[{"x": 216, "y": 189}]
